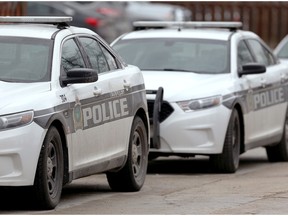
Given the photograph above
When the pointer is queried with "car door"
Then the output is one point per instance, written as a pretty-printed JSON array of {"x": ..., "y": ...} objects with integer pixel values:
[
  {"x": 86, "y": 104},
  {"x": 115, "y": 104},
  {"x": 263, "y": 97},
  {"x": 272, "y": 98},
  {"x": 253, "y": 84}
]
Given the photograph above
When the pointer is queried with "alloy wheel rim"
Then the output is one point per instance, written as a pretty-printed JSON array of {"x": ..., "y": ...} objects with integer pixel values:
[
  {"x": 136, "y": 153},
  {"x": 51, "y": 169}
]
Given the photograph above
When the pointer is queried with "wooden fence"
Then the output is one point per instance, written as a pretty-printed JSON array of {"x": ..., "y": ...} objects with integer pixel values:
[
  {"x": 268, "y": 19},
  {"x": 12, "y": 8}
]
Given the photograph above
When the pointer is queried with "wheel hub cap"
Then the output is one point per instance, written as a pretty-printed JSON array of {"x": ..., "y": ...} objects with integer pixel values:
[{"x": 49, "y": 167}]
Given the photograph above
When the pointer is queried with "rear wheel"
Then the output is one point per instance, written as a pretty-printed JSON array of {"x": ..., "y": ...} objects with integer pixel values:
[
  {"x": 279, "y": 152},
  {"x": 132, "y": 176},
  {"x": 49, "y": 175},
  {"x": 228, "y": 161}
]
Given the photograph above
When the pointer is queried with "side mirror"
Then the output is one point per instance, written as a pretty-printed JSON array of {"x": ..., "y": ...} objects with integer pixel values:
[
  {"x": 252, "y": 68},
  {"x": 80, "y": 75}
]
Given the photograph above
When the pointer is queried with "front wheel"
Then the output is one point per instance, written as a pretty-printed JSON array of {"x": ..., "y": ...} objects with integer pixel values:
[
  {"x": 228, "y": 161},
  {"x": 49, "y": 174},
  {"x": 132, "y": 176},
  {"x": 279, "y": 152}
]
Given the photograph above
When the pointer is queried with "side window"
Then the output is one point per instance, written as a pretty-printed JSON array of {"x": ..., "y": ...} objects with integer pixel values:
[
  {"x": 95, "y": 54},
  {"x": 110, "y": 59},
  {"x": 262, "y": 55},
  {"x": 244, "y": 55},
  {"x": 283, "y": 52},
  {"x": 71, "y": 56}
]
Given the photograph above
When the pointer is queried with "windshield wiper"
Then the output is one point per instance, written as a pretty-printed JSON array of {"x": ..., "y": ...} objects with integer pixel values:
[
  {"x": 6, "y": 80},
  {"x": 172, "y": 69},
  {"x": 151, "y": 69}
]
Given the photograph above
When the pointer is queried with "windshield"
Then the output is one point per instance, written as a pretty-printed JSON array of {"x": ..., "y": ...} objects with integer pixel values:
[
  {"x": 191, "y": 55},
  {"x": 25, "y": 59}
]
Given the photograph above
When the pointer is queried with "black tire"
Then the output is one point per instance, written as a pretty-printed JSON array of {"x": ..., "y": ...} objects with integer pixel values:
[
  {"x": 279, "y": 152},
  {"x": 132, "y": 176},
  {"x": 228, "y": 161},
  {"x": 48, "y": 181}
]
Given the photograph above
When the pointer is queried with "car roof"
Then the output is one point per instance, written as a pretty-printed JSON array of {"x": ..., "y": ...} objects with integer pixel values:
[
  {"x": 45, "y": 31},
  {"x": 35, "y": 28},
  {"x": 183, "y": 33},
  {"x": 28, "y": 30},
  {"x": 197, "y": 30}
]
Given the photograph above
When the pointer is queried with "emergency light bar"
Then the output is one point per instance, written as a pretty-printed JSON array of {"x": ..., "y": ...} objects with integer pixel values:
[
  {"x": 189, "y": 24},
  {"x": 36, "y": 19}
]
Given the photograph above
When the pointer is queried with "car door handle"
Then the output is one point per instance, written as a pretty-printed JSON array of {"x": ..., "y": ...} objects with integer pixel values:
[
  {"x": 263, "y": 83},
  {"x": 97, "y": 92},
  {"x": 126, "y": 84},
  {"x": 283, "y": 78}
]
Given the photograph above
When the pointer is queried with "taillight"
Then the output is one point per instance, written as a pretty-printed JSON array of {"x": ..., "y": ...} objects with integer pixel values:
[{"x": 93, "y": 21}]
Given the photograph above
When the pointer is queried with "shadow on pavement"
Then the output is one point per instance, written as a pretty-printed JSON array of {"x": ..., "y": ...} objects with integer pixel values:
[
  {"x": 178, "y": 165},
  {"x": 21, "y": 199},
  {"x": 18, "y": 198},
  {"x": 201, "y": 165},
  {"x": 83, "y": 189}
]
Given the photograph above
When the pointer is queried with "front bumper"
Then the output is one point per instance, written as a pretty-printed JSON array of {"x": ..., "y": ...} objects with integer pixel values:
[
  {"x": 199, "y": 132},
  {"x": 19, "y": 153}
]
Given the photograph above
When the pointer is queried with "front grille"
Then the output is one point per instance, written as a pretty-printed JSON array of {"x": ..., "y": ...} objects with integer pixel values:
[{"x": 166, "y": 110}]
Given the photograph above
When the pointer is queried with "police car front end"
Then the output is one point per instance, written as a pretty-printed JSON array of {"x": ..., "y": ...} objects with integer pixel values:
[
  {"x": 19, "y": 148},
  {"x": 20, "y": 135},
  {"x": 194, "y": 127},
  {"x": 193, "y": 118}
]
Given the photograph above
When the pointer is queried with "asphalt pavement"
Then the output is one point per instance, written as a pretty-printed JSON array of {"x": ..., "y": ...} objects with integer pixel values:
[{"x": 177, "y": 186}]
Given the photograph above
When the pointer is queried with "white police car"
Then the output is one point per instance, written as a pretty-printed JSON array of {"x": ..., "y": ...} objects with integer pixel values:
[
  {"x": 223, "y": 90},
  {"x": 70, "y": 107}
]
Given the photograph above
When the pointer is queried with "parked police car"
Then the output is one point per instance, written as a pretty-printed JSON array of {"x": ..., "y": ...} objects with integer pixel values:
[
  {"x": 70, "y": 107},
  {"x": 223, "y": 90}
]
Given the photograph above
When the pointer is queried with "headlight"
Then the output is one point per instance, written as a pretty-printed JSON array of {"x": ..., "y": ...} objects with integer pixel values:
[
  {"x": 203, "y": 103},
  {"x": 16, "y": 120}
]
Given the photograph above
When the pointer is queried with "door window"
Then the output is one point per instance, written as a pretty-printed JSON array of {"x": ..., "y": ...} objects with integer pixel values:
[
  {"x": 244, "y": 55},
  {"x": 262, "y": 55},
  {"x": 110, "y": 59},
  {"x": 99, "y": 56},
  {"x": 71, "y": 56}
]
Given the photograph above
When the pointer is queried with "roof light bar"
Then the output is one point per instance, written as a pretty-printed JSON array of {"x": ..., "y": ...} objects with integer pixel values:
[
  {"x": 35, "y": 19},
  {"x": 191, "y": 24}
]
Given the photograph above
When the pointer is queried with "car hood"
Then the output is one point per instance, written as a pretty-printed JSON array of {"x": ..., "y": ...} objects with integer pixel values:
[
  {"x": 16, "y": 97},
  {"x": 186, "y": 85}
]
